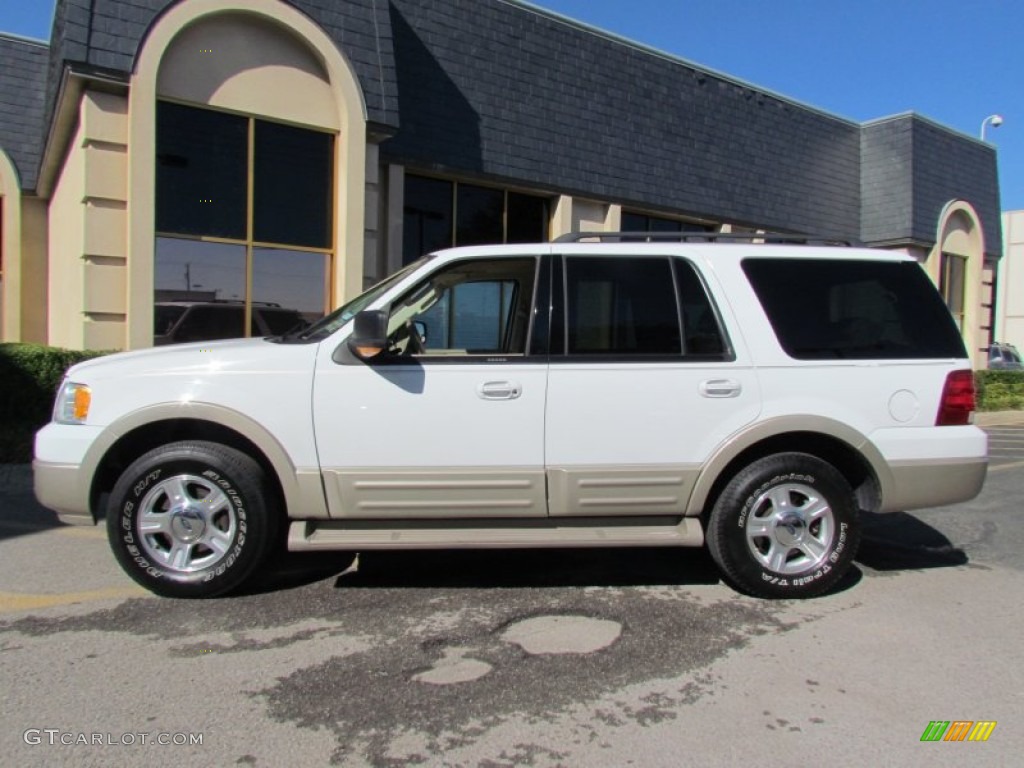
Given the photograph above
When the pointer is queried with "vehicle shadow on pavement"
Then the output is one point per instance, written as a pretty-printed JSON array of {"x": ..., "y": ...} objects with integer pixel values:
[
  {"x": 20, "y": 513},
  {"x": 898, "y": 541},
  {"x": 473, "y": 569}
]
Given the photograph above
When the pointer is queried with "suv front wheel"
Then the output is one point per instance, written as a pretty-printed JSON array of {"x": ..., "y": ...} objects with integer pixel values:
[
  {"x": 786, "y": 526},
  {"x": 190, "y": 519}
]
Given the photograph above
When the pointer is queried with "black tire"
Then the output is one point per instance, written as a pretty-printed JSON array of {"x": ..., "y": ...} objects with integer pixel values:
[
  {"x": 191, "y": 519},
  {"x": 786, "y": 526}
]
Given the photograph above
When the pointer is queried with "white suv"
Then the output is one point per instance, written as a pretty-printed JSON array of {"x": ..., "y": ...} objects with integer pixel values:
[{"x": 575, "y": 393}]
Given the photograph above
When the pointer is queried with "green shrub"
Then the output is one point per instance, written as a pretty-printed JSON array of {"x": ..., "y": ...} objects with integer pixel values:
[
  {"x": 1000, "y": 390},
  {"x": 29, "y": 377}
]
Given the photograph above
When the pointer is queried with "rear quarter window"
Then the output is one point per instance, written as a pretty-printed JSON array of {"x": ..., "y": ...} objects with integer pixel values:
[{"x": 827, "y": 309}]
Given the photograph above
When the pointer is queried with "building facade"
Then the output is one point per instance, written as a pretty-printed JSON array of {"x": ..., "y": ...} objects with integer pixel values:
[
  {"x": 1009, "y": 324},
  {"x": 230, "y": 155}
]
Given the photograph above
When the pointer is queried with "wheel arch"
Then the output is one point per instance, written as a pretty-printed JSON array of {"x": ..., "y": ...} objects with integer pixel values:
[
  {"x": 136, "y": 433},
  {"x": 850, "y": 452}
]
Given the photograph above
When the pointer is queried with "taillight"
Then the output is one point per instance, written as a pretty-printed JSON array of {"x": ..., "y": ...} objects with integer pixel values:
[{"x": 957, "y": 404}]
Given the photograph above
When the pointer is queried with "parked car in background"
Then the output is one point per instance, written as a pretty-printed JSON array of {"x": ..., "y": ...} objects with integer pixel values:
[
  {"x": 175, "y": 322},
  {"x": 1004, "y": 357}
]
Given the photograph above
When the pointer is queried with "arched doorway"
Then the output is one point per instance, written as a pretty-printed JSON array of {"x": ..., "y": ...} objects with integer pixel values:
[{"x": 957, "y": 264}]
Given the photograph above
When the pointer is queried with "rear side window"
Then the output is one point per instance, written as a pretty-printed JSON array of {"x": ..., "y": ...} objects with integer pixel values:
[
  {"x": 825, "y": 309},
  {"x": 621, "y": 307}
]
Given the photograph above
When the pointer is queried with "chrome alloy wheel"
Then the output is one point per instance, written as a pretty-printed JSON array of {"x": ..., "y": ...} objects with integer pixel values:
[
  {"x": 790, "y": 528},
  {"x": 186, "y": 523}
]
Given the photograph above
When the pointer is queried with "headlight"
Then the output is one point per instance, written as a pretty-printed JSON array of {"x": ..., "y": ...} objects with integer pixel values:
[{"x": 72, "y": 405}]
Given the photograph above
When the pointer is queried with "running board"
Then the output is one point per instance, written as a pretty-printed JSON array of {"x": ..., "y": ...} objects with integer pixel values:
[{"x": 359, "y": 535}]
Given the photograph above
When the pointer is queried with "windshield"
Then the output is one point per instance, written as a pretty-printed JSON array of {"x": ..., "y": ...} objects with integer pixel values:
[{"x": 332, "y": 322}]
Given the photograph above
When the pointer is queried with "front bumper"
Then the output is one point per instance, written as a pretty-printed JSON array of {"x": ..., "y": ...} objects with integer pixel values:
[
  {"x": 58, "y": 478},
  {"x": 56, "y": 488}
]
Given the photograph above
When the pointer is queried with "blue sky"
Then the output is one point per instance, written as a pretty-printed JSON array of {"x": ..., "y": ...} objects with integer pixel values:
[{"x": 953, "y": 61}]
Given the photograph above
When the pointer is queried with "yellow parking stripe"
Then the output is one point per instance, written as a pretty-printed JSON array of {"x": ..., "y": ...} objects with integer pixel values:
[{"x": 11, "y": 602}]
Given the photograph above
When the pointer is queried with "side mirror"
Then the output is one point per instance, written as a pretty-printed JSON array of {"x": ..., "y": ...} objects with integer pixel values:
[
  {"x": 421, "y": 330},
  {"x": 370, "y": 335}
]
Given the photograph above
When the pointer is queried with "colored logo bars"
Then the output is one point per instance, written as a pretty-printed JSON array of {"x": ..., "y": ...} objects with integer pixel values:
[{"x": 958, "y": 730}]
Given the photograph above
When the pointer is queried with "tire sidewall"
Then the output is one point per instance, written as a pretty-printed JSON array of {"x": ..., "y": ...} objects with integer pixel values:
[
  {"x": 732, "y": 550},
  {"x": 215, "y": 466}
]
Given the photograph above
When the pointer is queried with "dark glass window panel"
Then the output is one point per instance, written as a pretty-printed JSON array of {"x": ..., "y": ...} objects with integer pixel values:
[
  {"x": 201, "y": 176},
  {"x": 427, "y": 220},
  {"x": 165, "y": 316},
  {"x": 701, "y": 331},
  {"x": 655, "y": 224},
  {"x": 824, "y": 309},
  {"x": 190, "y": 270},
  {"x": 633, "y": 222},
  {"x": 479, "y": 215},
  {"x": 639, "y": 222},
  {"x": 541, "y": 334},
  {"x": 622, "y": 306},
  {"x": 528, "y": 219},
  {"x": 294, "y": 280},
  {"x": 207, "y": 323},
  {"x": 952, "y": 285},
  {"x": 274, "y": 322},
  {"x": 292, "y": 195}
]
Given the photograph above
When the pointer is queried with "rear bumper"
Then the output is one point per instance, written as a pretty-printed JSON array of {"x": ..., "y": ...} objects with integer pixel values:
[
  {"x": 917, "y": 485},
  {"x": 932, "y": 466}
]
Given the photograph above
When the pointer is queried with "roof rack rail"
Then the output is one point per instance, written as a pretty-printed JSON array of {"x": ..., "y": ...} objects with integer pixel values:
[{"x": 703, "y": 237}]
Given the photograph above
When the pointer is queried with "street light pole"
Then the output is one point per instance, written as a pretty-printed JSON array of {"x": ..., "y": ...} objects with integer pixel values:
[{"x": 994, "y": 120}]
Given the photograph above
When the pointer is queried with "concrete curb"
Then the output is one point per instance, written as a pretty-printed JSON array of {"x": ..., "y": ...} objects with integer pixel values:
[{"x": 999, "y": 418}]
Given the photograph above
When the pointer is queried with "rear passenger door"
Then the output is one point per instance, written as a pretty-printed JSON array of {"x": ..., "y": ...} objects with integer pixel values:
[{"x": 644, "y": 384}]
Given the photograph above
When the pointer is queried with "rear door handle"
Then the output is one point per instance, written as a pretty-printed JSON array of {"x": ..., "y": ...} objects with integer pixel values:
[
  {"x": 721, "y": 388},
  {"x": 499, "y": 390}
]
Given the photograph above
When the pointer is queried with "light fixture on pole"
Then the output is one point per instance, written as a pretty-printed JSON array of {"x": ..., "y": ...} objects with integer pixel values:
[{"x": 994, "y": 120}]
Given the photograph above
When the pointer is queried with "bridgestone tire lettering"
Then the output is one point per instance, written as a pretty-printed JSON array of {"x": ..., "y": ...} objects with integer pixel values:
[
  {"x": 730, "y": 544},
  {"x": 244, "y": 487}
]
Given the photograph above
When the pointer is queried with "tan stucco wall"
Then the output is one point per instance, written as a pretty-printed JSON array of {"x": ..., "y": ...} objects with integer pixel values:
[
  {"x": 248, "y": 65},
  {"x": 10, "y": 301},
  {"x": 66, "y": 246},
  {"x": 201, "y": 51},
  {"x": 87, "y": 230},
  {"x": 576, "y": 215}
]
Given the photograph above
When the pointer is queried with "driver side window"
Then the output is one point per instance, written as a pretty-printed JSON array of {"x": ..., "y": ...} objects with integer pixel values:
[{"x": 473, "y": 307}]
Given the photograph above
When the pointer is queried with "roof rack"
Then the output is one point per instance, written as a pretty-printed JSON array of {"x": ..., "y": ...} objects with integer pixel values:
[{"x": 702, "y": 237}]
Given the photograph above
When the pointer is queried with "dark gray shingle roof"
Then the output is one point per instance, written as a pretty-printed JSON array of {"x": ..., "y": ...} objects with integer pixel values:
[
  {"x": 911, "y": 168},
  {"x": 22, "y": 88},
  {"x": 503, "y": 90}
]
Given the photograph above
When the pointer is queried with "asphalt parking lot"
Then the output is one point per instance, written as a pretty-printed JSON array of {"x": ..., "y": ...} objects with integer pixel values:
[{"x": 554, "y": 658}]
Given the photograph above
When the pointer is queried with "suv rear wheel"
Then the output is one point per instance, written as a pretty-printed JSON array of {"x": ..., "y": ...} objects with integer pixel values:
[
  {"x": 190, "y": 519},
  {"x": 786, "y": 526}
]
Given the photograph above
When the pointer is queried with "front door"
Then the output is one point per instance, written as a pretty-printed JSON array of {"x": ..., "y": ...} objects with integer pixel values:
[{"x": 449, "y": 422}]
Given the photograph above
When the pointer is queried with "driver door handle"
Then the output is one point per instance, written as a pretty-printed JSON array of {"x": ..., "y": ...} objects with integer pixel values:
[{"x": 499, "y": 390}]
